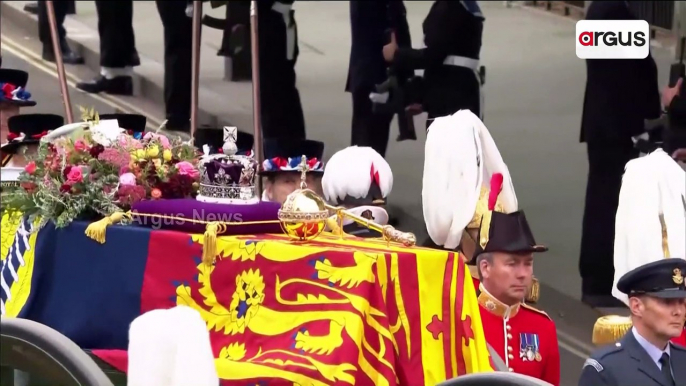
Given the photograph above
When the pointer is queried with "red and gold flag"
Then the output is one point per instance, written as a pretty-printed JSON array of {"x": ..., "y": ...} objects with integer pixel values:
[{"x": 328, "y": 312}]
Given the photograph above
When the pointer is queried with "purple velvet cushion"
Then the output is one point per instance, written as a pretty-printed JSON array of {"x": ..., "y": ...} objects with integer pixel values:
[{"x": 196, "y": 210}]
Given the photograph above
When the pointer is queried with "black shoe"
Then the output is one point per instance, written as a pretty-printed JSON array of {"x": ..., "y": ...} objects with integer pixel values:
[
  {"x": 31, "y": 8},
  {"x": 68, "y": 56},
  {"x": 120, "y": 85},
  {"x": 602, "y": 301}
]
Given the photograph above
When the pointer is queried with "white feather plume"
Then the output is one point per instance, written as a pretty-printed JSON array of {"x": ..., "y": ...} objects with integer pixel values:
[
  {"x": 493, "y": 163},
  {"x": 452, "y": 176},
  {"x": 170, "y": 347},
  {"x": 348, "y": 173},
  {"x": 652, "y": 186}
]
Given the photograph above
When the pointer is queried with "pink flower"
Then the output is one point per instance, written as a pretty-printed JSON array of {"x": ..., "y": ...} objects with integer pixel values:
[
  {"x": 127, "y": 179},
  {"x": 116, "y": 157},
  {"x": 129, "y": 143},
  {"x": 30, "y": 168},
  {"x": 75, "y": 175},
  {"x": 124, "y": 170},
  {"x": 187, "y": 169},
  {"x": 79, "y": 145},
  {"x": 163, "y": 140}
]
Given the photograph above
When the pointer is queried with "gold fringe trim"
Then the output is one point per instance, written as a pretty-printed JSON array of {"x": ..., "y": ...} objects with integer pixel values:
[
  {"x": 609, "y": 329},
  {"x": 665, "y": 239},
  {"x": 97, "y": 229},
  {"x": 485, "y": 229},
  {"x": 534, "y": 292}
]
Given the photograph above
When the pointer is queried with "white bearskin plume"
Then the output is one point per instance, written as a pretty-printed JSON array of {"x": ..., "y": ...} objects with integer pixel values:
[
  {"x": 493, "y": 163},
  {"x": 652, "y": 196},
  {"x": 172, "y": 348},
  {"x": 460, "y": 157},
  {"x": 350, "y": 172}
]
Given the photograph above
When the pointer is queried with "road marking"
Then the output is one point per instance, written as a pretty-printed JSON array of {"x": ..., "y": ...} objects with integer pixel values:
[
  {"x": 572, "y": 350},
  {"x": 573, "y": 345},
  {"x": 33, "y": 59}
]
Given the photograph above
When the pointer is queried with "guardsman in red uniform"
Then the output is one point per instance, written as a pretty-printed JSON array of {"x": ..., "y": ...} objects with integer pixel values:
[
  {"x": 461, "y": 157},
  {"x": 524, "y": 337},
  {"x": 650, "y": 226}
]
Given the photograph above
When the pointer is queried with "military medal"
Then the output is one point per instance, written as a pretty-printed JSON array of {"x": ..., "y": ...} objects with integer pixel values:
[
  {"x": 528, "y": 347},
  {"x": 537, "y": 348}
]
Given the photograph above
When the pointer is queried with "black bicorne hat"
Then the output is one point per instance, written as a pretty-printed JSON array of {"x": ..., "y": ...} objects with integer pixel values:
[
  {"x": 285, "y": 155},
  {"x": 132, "y": 123},
  {"x": 214, "y": 138},
  {"x": 662, "y": 279},
  {"x": 10, "y": 80},
  {"x": 506, "y": 232},
  {"x": 28, "y": 129}
]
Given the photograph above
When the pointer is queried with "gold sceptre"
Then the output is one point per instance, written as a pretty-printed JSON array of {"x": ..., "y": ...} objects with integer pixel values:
[
  {"x": 388, "y": 232},
  {"x": 304, "y": 214}
]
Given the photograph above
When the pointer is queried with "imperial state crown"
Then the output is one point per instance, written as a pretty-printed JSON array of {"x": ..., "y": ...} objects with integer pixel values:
[{"x": 227, "y": 178}]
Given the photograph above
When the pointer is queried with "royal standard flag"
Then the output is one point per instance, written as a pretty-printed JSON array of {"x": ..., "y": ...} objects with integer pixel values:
[{"x": 332, "y": 311}]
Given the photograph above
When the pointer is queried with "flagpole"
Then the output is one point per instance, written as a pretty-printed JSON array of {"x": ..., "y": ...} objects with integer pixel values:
[
  {"x": 195, "y": 70},
  {"x": 256, "y": 102},
  {"x": 61, "y": 75}
]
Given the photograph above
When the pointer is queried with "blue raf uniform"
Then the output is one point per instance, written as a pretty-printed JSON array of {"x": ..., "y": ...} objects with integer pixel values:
[{"x": 633, "y": 360}]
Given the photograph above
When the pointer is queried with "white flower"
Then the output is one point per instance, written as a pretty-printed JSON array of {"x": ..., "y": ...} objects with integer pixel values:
[{"x": 106, "y": 132}]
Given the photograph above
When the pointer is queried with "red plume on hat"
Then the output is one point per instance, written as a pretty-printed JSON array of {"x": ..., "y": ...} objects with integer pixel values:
[{"x": 496, "y": 187}]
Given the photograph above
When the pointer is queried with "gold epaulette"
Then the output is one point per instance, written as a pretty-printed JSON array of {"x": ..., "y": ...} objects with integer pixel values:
[
  {"x": 534, "y": 292},
  {"x": 528, "y": 307},
  {"x": 609, "y": 329}
]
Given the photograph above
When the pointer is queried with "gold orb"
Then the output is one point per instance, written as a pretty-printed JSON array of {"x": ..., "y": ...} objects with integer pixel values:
[{"x": 303, "y": 215}]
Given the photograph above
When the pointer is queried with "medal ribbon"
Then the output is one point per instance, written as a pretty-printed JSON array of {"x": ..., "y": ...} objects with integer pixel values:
[{"x": 525, "y": 340}]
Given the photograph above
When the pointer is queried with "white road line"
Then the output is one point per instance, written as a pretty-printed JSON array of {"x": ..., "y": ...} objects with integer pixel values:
[
  {"x": 572, "y": 350},
  {"x": 15, "y": 49}
]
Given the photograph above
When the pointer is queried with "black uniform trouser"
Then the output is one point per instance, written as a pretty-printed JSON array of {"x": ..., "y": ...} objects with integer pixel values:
[
  {"x": 178, "y": 48},
  {"x": 605, "y": 170},
  {"x": 117, "y": 40},
  {"x": 369, "y": 128},
  {"x": 282, "y": 112},
  {"x": 61, "y": 8}
]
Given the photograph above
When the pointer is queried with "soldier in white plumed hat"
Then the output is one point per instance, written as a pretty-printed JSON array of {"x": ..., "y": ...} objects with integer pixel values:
[
  {"x": 460, "y": 159},
  {"x": 650, "y": 225},
  {"x": 359, "y": 179}
]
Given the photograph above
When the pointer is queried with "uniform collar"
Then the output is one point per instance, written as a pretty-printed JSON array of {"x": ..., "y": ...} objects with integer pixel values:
[
  {"x": 495, "y": 306},
  {"x": 653, "y": 351}
]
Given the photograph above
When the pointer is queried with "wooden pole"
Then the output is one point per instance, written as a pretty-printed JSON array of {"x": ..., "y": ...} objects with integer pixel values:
[
  {"x": 195, "y": 71},
  {"x": 61, "y": 75},
  {"x": 256, "y": 103}
]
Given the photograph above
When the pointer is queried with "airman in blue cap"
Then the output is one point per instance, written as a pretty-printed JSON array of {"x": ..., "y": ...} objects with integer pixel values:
[{"x": 645, "y": 356}]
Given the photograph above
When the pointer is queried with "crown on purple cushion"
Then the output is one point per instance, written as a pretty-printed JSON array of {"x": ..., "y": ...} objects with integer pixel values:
[{"x": 227, "y": 178}]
